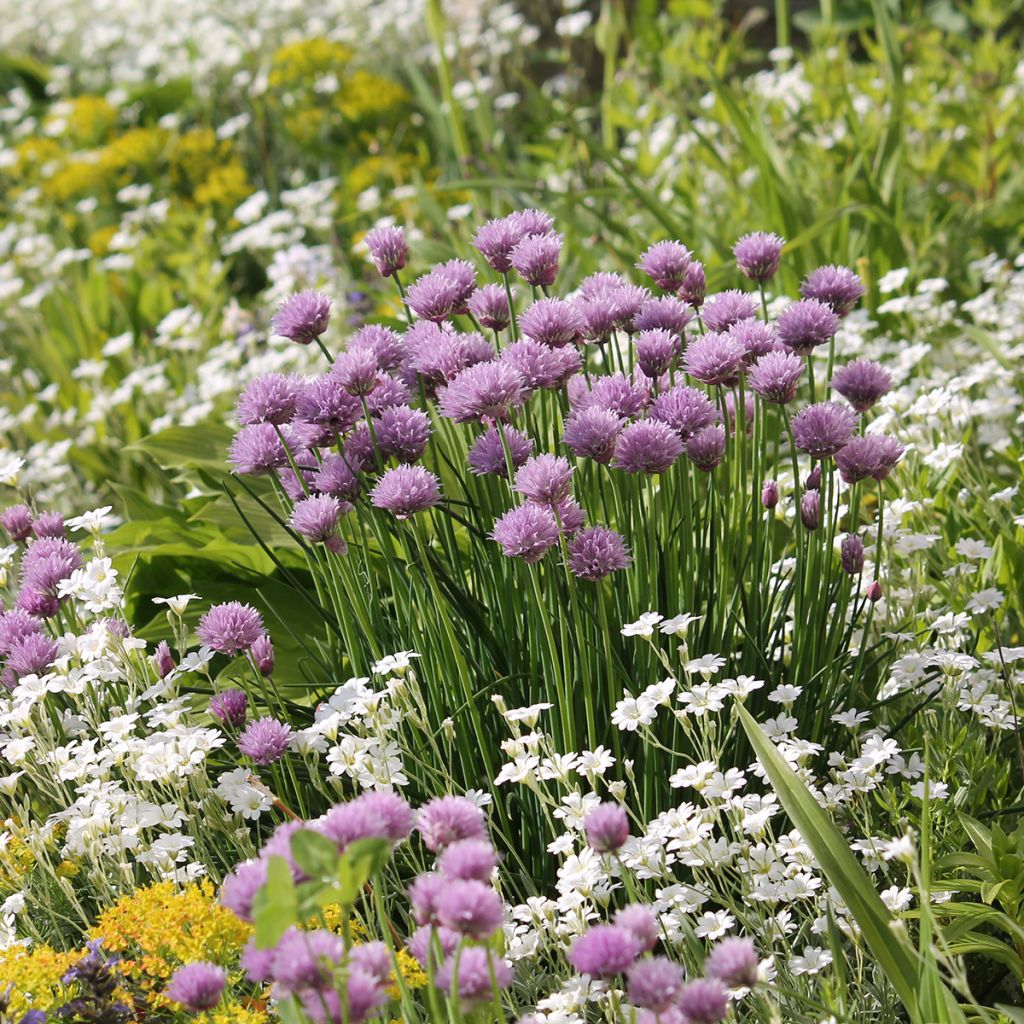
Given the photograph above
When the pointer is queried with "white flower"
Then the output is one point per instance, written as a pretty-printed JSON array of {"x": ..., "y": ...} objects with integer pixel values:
[
  {"x": 785, "y": 694},
  {"x": 178, "y": 603},
  {"x": 528, "y": 716},
  {"x": 679, "y": 624},
  {"x": 707, "y": 666},
  {"x": 814, "y": 959},
  {"x": 595, "y": 762},
  {"x": 971, "y": 548},
  {"x": 898, "y": 849},
  {"x": 985, "y": 600},
  {"x": 394, "y": 664},
  {"x": 936, "y": 790},
  {"x": 10, "y": 467},
  {"x": 630, "y": 713},
  {"x": 644, "y": 626},
  {"x": 94, "y": 521},
  {"x": 714, "y": 925}
]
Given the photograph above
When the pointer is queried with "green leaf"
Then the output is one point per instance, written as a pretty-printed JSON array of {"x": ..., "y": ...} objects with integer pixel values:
[
  {"x": 276, "y": 906},
  {"x": 361, "y": 859},
  {"x": 314, "y": 853}
]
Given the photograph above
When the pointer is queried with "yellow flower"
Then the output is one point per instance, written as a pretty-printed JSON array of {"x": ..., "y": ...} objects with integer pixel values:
[
  {"x": 225, "y": 186},
  {"x": 299, "y": 63},
  {"x": 34, "y": 976},
  {"x": 365, "y": 95},
  {"x": 87, "y": 121}
]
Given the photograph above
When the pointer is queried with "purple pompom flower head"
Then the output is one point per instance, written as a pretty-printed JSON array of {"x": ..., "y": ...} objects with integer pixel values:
[
  {"x": 725, "y": 309},
  {"x": 406, "y": 490},
  {"x": 704, "y": 1001},
  {"x": 552, "y": 322},
  {"x": 356, "y": 371},
  {"x": 733, "y": 962},
  {"x": 607, "y": 828},
  {"x": 230, "y": 628},
  {"x": 483, "y": 391},
  {"x": 230, "y": 707},
  {"x": 664, "y": 313},
  {"x": 489, "y": 305},
  {"x": 15, "y": 625},
  {"x": 316, "y": 518},
  {"x": 656, "y": 351},
  {"x": 615, "y": 392},
  {"x": 393, "y": 811},
  {"x": 757, "y": 255},
  {"x": 32, "y": 655},
  {"x": 641, "y": 922},
  {"x": 851, "y": 554},
  {"x": 448, "y": 819},
  {"x": 17, "y": 521},
  {"x": 338, "y": 478},
  {"x": 303, "y": 317},
  {"x": 304, "y": 960},
  {"x": 265, "y": 740},
  {"x": 268, "y": 399},
  {"x": 604, "y": 951},
  {"x": 868, "y": 456},
  {"x": 803, "y": 326},
  {"x": 706, "y": 448},
  {"x": 655, "y": 983},
  {"x": 402, "y": 432},
  {"x": 541, "y": 367},
  {"x": 198, "y": 985},
  {"x": 535, "y": 259},
  {"x": 755, "y": 337},
  {"x": 776, "y": 376},
  {"x": 686, "y": 410},
  {"x": 714, "y": 359},
  {"x": 810, "y": 509},
  {"x": 347, "y": 823},
  {"x": 388, "y": 249},
  {"x": 487, "y": 456},
  {"x": 469, "y": 977},
  {"x": 527, "y": 531},
  {"x": 597, "y": 552},
  {"x": 496, "y": 239},
  {"x": 468, "y": 859},
  {"x": 324, "y": 401},
  {"x": 838, "y": 287},
  {"x": 470, "y": 907},
  {"x": 441, "y": 292},
  {"x": 695, "y": 285},
  {"x": 647, "y": 446},
  {"x": 384, "y": 343},
  {"x": 257, "y": 450},
  {"x": 862, "y": 383},
  {"x": 823, "y": 429},
  {"x": 544, "y": 479},
  {"x": 666, "y": 264},
  {"x": 592, "y": 433},
  {"x": 49, "y": 524},
  {"x": 240, "y": 887}
]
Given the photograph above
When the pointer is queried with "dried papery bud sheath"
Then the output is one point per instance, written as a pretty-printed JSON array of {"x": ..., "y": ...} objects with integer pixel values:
[
  {"x": 813, "y": 481},
  {"x": 851, "y": 553},
  {"x": 163, "y": 660}
]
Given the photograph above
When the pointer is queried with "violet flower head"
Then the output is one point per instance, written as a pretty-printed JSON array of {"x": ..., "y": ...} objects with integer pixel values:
[
  {"x": 356, "y": 371},
  {"x": 704, "y": 1001},
  {"x": 655, "y": 983},
  {"x": 337, "y": 478},
  {"x": 527, "y": 531},
  {"x": 316, "y": 518},
  {"x": 533, "y": 222},
  {"x": 666, "y": 264},
  {"x": 552, "y": 322},
  {"x": 733, "y": 961},
  {"x": 862, "y": 383},
  {"x": 539, "y": 366},
  {"x": 776, "y": 377},
  {"x": 388, "y": 392},
  {"x": 597, "y": 552},
  {"x": 487, "y": 456},
  {"x": 715, "y": 359},
  {"x": 483, "y": 391},
  {"x": 268, "y": 399},
  {"x": 468, "y": 977},
  {"x": 405, "y": 490},
  {"x": 592, "y": 433},
  {"x": 443, "y": 291},
  {"x": 15, "y": 625},
  {"x": 706, "y": 448},
  {"x": 305, "y": 959},
  {"x": 257, "y": 450},
  {"x": 804, "y": 325},
  {"x": 393, "y": 810},
  {"x": 303, "y": 317},
  {"x": 447, "y": 819},
  {"x": 421, "y": 945},
  {"x": 347, "y": 823},
  {"x": 489, "y": 305},
  {"x": 569, "y": 516},
  {"x": 685, "y": 409},
  {"x": 388, "y": 249},
  {"x": 46, "y": 562},
  {"x": 257, "y": 963},
  {"x": 402, "y": 432},
  {"x": 656, "y": 351},
  {"x": 725, "y": 309},
  {"x": 198, "y": 985},
  {"x": 265, "y": 740},
  {"x": 606, "y": 827},
  {"x": 757, "y": 255},
  {"x": 755, "y": 337},
  {"x": 423, "y": 894},
  {"x": 664, "y": 313},
  {"x": 495, "y": 241},
  {"x": 470, "y": 908},
  {"x": 467, "y": 859},
  {"x": 386, "y": 345},
  {"x": 544, "y": 479},
  {"x": 535, "y": 259},
  {"x": 17, "y": 521},
  {"x": 162, "y": 660},
  {"x": 647, "y": 446},
  {"x": 770, "y": 494},
  {"x": 359, "y": 450},
  {"x": 604, "y": 951},
  {"x": 49, "y": 524},
  {"x": 363, "y": 995},
  {"x": 32, "y": 655},
  {"x": 435, "y": 353},
  {"x": 810, "y": 509},
  {"x": 823, "y": 429},
  {"x": 615, "y": 392},
  {"x": 230, "y": 707},
  {"x": 851, "y": 554},
  {"x": 323, "y": 400},
  {"x": 240, "y": 887},
  {"x": 641, "y": 922},
  {"x": 695, "y": 285},
  {"x": 871, "y": 456},
  {"x": 838, "y": 287},
  {"x": 230, "y": 627}
]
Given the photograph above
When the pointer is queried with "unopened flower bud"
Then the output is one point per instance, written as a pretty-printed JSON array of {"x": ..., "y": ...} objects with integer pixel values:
[
  {"x": 770, "y": 494},
  {"x": 813, "y": 481},
  {"x": 163, "y": 660},
  {"x": 874, "y": 591},
  {"x": 263, "y": 655},
  {"x": 810, "y": 510},
  {"x": 852, "y": 554}
]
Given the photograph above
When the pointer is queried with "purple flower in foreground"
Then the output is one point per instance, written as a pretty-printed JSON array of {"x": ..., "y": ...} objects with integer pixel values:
[
  {"x": 468, "y": 859},
  {"x": 304, "y": 959},
  {"x": 533, "y": 222},
  {"x": 707, "y": 447},
  {"x": 487, "y": 456},
  {"x": 838, "y": 287},
  {"x": 552, "y": 322},
  {"x": 402, "y": 432},
  {"x": 535, "y": 259},
  {"x": 823, "y": 429},
  {"x": 265, "y": 740},
  {"x": 483, "y": 391},
  {"x": 423, "y": 895},
  {"x": 336, "y": 477},
  {"x": 489, "y": 305},
  {"x": 356, "y": 371},
  {"x": 714, "y": 359},
  {"x": 655, "y": 983},
  {"x": 406, "y": 490},
  {"x": 49, "y": 524},
  {"x": 31, "y": 655},
  {"x": 17, "y": 521},
  {"x": 230, "y": 707},
  {"x": 362, "y": 996},
  {"x": 394, "y": 811},
  {"x": 440, "y": 293},
  {"x": 810, "y": 509},
  {"x": 544, "y": 479},
  {"x": 704, "y": 1001},
  {"x": 757, "y": 255},
  {"x": 495, "y": 241},
  {"x": 868, "y": 456},
  {"x": 597, "y": 552},
  {"x": 447, "y": 819},
  {"x": 647, "y": 446},
  {"x": 755, "y": 337},
  {"x": 527, "y": 531},
  {"x": 805, "y": 325},
  {"x": 685, "y": 409},
  {"x": 776, "y": 376},
  {"x": 231, "y": 627},
  {"x": 695, "y": 285},
  {"x": 323, "y": 400},
  {"x": 604, "y": 951},
  {"x": 862, "y": 383},
  {"x": 724, "y": 309},
  {"x": 316, "y": 519},
  {"x": 607, "y": 827},
  {"x": 656, "y": 351},
  {"x": 733, "y": 962},
  {"x": 664, "y": 313},
  {"x": 422, "y": 941},
  {"x": 15, "y": 625},
  {"x": 851, "y": 554},
  {"x": 257, "y": 450},
  {"x": 384, "y": 343},
  {"x": 303, "y": 317},
  {"x": 240, "y": 887},
  {"x": 469, "y": 976},
  {"x": 268, "y": 399},
  {"x": 388, "y": 249},
  {"x": 615, "y": 392},
  {"x": 471, "y": 908},
  {"x": 592, "y": 433},
  {"x": 641, "y": 922},
  {"x": 347, "y": 823},
  {"x": 666, "y": 264},
  {"x": 198, "y": 985}
]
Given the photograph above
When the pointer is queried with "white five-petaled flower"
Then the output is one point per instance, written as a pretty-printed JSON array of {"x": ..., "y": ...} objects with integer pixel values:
[{"x": 644, "y": 626}]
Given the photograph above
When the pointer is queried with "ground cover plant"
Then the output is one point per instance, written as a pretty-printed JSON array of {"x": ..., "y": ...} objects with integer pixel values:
[{"x": 520, "y": 525}]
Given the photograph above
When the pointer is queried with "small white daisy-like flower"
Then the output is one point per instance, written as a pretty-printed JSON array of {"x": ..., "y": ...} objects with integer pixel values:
[{"x": 644, "y": 626}]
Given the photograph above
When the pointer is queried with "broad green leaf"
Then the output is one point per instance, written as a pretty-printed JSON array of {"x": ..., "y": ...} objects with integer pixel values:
[
  {"x": 361, "y": 859},
  {"x": 314, "y": 853},
  {"x": 276, "y": 906}
]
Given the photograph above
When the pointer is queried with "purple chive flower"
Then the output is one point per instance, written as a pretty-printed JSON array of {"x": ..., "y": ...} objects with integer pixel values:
[
  {"x": 755, "y": 337},
  {"x": 17, "y": 521},
  {"x": 551, "y": 322},
  {"x": 46, "y": 562},
  {"x": 733, "y": 962},
  {"x": 813, "y": 481},
  {"x": 489, "y": 305},
  {"x": 656, "y": 351},
  {"x": 838, "y": 287},
  {"x": 823, "y": 429},
  {"x": 337, "y": 478},
  {"x": 468, "y": 859},
  {"x": 15, "y": 625},
  {"x": 706, "y": 448},
  {"x": 475, "y": 967},
  {"x": 393, "y": 811},
  {"x": 544, "y": 479},
  {"x": 664, "y": 313},
  {"x": 422, "y": 944},
  {"x": 402, "y": 432},
  {"x": 714, "y": 359},
  {"x": 49, "y": 524},
  {"x": 31, "y": 655},
  {"x": 868, "y": 456},
  {"x": 527, "y": 531},
  {"x": 305, "y": 959},
  {"x": 776, "y": 377},
  {"x": 487, "y": 456},
  {"x": 374, "y": 959},
  {"x": 388, "y": 249},
  {"x": 470, "y": 908},
  {"x": 616, "y": 393},
  {"x": 539, "y": 366},
  {"x": 388, "y": 393},
  {"x": 666, "y": 264},
  {"x": 346, "y": 823},
  {"x": 695, "y": 285},
  {"x": 447, "y": 819},
  {"x": 686, "y": 410},
  {"x": 231, "y": 627},
  {"x": 725, "y": 309},
  {"x": 356, "y": 371},
  {"x": 483, "y": 391},
  {"x": 230, "y": 707},
  {"x": 405, "y": 490},
  {"x": 770, "y": 494},
  {"x": 359, "y": 450},
  {"x": 851, "y": 554},
  {"x": 163, "y": 660},
  {"x": 641, "y": 922},
  {"x": 647, "y": 446},
  {"x": 535, "y": 259},
  {"x": 607, "y": 828},
  {"x": 533, "y": 222},
  {"x": 303, "y": 317},
  {"x": 384, "y": 343},
  {"x": 265, "y": 740},
  {"x": 803, "y": 326},
  {"x": 316, "y": 518},
  {"x": 262, "y": 653},
  {"x": 757, "y": 255},
  {"x": 290, "y": 482},
  {"x": 240, "y": 887},
  {"x": 438, "y": 294},
  {"x": 363, "y": 995},
  {"x": 604, "y": 951},
  {"x": 423, "y": 894},
  {"x": 324, "y": 401},
  {"x": 569, "y": 515},
  {"x": 655, "y": 983},
  {"x": 495, "y": 241},
  {"x": 268, "y": 399},
  {"x": 704, "y": 1001},
  {"x": 435, "y": 353},
  {"x": 592, "y": 433},
  {"x": 197, "y": 986},
  {"x": 862, "y": 383},
  {"x": 257, "y": 963},
  {"x": 597, "y": 552},
  {"x": 257, "y": 450},
  {"x": 810, "y": 510}
]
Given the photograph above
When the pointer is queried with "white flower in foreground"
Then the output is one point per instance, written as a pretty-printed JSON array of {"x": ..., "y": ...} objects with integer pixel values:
[
  {"x": 10, "y": 467},
  {"x": 985, "y": 601},
  {"x": 394, "y": 664},
  {"x": 679, "y": 624},
  {"x": 707, "y": 666},
  {"x": 644, "y": 626},
  {"x": 969, "y": 547},
  {"x": 178, "y": 603},
  {"x": 93, "y": 521}
]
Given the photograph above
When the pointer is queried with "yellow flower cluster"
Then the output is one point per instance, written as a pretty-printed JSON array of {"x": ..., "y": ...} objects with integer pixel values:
[
  {"x": 33, "y": 976},
  {"x": 299, "y": 63}
]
